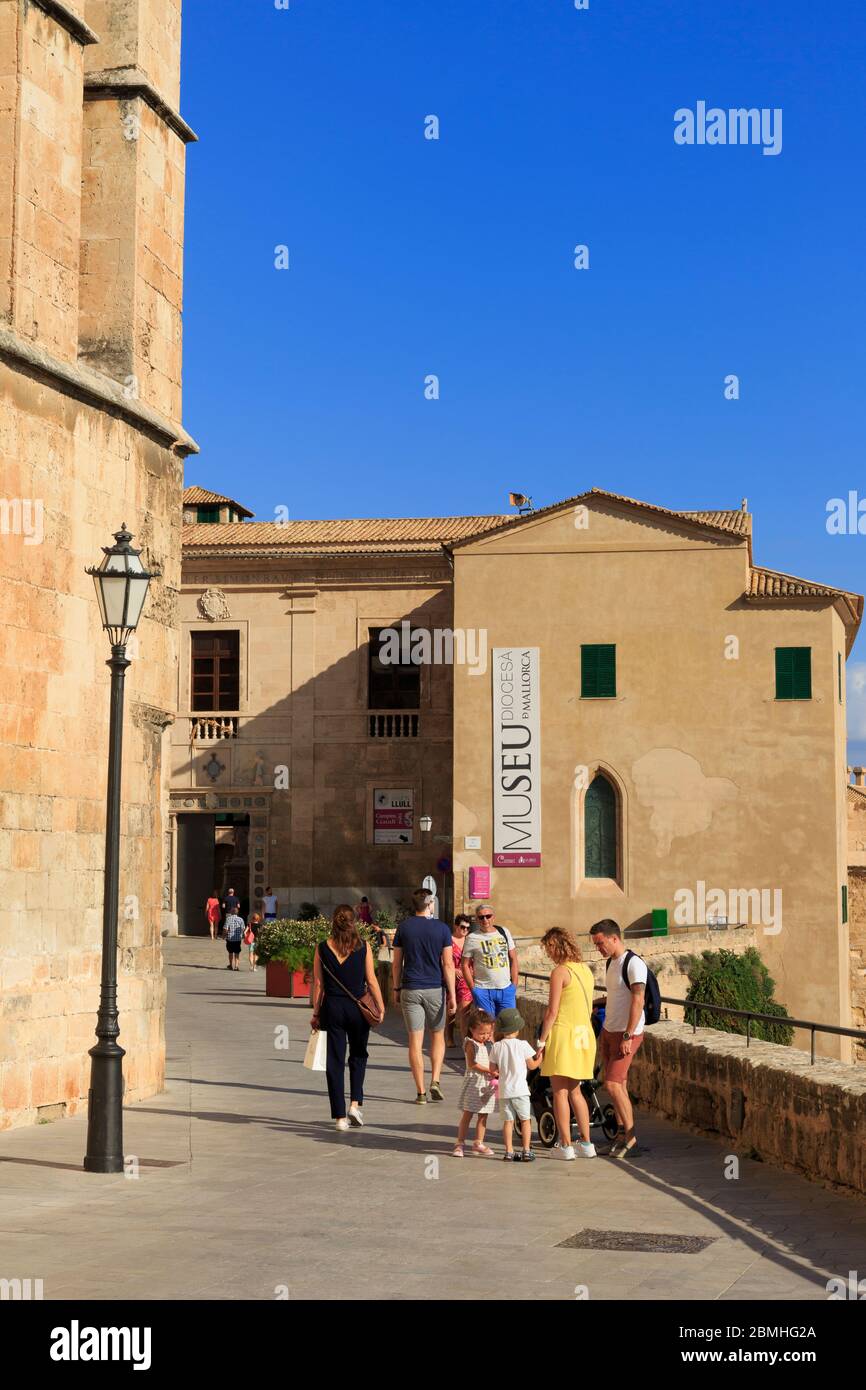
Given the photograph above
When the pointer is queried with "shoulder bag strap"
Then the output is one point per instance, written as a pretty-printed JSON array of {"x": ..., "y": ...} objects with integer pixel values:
[{"x": 336, "y": 978}]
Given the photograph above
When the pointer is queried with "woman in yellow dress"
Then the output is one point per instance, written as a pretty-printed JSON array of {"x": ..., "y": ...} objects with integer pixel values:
[{"x": 568, "y": 1039}]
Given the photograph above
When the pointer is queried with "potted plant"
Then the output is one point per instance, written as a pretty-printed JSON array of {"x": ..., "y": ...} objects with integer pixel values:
[{"x": 286, "y": 949}]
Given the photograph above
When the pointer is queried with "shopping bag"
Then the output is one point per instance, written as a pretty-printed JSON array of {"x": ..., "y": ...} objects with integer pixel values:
[{"x": 317, "y": 1047}]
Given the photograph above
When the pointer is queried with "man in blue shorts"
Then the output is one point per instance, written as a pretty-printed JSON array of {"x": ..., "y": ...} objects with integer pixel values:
[{"x": 490, "y": 963}]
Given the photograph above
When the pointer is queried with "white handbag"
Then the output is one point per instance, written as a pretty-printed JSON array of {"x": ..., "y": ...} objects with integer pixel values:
[{"x": 317, "y": 1049}]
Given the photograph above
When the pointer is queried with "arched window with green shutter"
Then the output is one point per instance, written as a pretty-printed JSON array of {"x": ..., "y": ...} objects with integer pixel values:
[{"x": 601, "y": 829}]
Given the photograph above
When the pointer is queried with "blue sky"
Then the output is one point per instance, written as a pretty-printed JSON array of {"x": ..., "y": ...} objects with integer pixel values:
[{"x": 410, "y": 257}]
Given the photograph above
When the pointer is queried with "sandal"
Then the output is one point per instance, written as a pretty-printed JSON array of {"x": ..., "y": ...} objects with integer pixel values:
[
  {"x": 482, "y": 1150},
  {"x": 457, "y": 1151}
]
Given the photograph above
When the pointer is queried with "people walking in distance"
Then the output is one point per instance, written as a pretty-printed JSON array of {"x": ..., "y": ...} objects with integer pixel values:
[
  {"x": 364, "y": 912},
  {"x": 511, "y": 1058},
  {"x": 489, "y": 963},
  {"x": 251, "y": 939},
  {"x": 568, "y": 1039},
  {"x": 269, "y": 905},
  {"x": 213, "y": 914},
  {"x": 422, "y": 970},
  {"x": 234, "y": 928},
  {"x": 231, "y": 903},
  {"x": 478, "y": 1093},
  {"x": 622, "y": 1033},
  {"x": 459, "y": 933},
  {"x": 343, "y": 969}
]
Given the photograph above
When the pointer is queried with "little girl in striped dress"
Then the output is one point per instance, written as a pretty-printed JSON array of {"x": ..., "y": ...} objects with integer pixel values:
[{"x": 478, "y": 1093}]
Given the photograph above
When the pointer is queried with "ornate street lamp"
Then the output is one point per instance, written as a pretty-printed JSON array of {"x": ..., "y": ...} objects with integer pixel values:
[
  {"x": 426, "y": 823},
  {"x": 121, "y": 588}
]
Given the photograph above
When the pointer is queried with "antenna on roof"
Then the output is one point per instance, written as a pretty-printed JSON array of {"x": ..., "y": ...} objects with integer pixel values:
[{"x": 520, "y": 501}]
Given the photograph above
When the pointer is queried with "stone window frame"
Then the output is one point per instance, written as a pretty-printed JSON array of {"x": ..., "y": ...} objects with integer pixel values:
[
  {"x": 599, "y": 887},
  {"x": 184, "y": 695}
]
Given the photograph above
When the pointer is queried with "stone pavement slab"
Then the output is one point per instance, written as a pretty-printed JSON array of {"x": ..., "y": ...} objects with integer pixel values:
[{"x": 244, "y": 1189}]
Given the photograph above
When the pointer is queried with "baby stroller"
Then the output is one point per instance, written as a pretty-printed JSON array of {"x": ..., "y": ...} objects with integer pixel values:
[{"x": 541, "y": 1100}]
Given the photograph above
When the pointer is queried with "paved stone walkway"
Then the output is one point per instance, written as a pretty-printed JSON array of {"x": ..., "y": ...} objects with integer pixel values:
[{"x": 244, "y": 1188}]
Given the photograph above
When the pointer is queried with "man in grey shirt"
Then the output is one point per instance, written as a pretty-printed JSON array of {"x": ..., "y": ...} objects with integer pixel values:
[{"x": 490, "y": 963}]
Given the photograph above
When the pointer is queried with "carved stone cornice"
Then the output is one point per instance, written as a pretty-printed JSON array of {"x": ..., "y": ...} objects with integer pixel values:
[
  {"x": 68, "y": 20},
  {"x": 133, "y": 82}
]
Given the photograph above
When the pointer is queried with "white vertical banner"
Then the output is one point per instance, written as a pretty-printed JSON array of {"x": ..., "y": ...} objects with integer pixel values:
[{"x": 516, "y": 757}]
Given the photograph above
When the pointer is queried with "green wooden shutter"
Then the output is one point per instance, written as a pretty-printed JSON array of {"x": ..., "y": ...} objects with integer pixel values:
[
  {"x": 844, "y": 903},
  {"x": 793, "y": 673},
  {"x": 600, "y": 830},
  {"x": 597, "y": 671},
  {"x": 839, "y": 673}
]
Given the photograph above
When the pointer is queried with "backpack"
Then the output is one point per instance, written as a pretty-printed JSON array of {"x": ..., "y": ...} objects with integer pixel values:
[{"x": 652, "y": 1000}]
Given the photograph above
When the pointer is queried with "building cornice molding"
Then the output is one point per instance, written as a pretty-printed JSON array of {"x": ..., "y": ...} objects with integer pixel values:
[
  {"x": 68, "y": 20},
  {"x": 86, "y": 384},
  {"x": 303, "y": 580},
  {"x": 119, "y": 83}
]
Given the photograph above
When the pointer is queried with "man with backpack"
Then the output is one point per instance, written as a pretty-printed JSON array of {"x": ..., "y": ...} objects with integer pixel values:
[
  {"x": 489, "y": 963},
  {"x": 631, "y": 987}
]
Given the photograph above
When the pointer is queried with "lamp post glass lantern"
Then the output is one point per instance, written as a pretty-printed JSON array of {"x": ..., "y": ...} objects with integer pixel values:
[
  {"x": 121, "y": 588},
  {"x": 426, "y": 823}
]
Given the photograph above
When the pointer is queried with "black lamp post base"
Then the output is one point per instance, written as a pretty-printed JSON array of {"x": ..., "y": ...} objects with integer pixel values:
[{"x": 105, "y": 1110}]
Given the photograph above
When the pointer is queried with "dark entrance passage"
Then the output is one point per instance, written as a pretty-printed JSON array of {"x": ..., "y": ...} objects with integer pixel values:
[{"x": 212, "y": 852}]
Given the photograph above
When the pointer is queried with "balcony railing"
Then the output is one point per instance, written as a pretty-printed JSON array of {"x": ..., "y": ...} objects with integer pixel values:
[
  {"x": 393, "y": 724},
  {"x": 210, "y": 728}
]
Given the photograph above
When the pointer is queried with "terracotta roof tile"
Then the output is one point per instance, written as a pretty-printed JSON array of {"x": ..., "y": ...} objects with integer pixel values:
[
  {"x": 733, "y": 523},
  {"x": 201, "y": 497},
  {"x": 366, "y": 535},
  {"x": 764, "y": 583},
  {"x": 858, "y": 793}
]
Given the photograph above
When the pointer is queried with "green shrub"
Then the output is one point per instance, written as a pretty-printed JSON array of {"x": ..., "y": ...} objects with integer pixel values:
[
  {"x": 308, "y": 912},
  {"x": 737, "y": 982},
  {"x": 293, "y": 941}
]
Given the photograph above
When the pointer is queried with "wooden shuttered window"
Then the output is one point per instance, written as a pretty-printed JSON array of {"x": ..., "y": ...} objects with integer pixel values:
[
  {"x": 391, "y": 685},
  {"x": 793, "y": 673},
  {"x": 215, "y": 671},
  {"x": 844, "y": 903},
  {"x": 597, "y": 671}
]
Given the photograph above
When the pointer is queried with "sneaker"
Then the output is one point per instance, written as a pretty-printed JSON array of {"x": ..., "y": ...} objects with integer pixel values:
[
  {"x": 342, "y": 1125},
  {"x": 421, "y": 1098},
  {"x": 510, "y": 1157},
  {"x": 587, "y": 1150},
  {"x": 568, "y": 1152},
  {"x": 436, "y": 1091},
  {"x": 527, "y": 1156},
  {"x": 356, "y": 1115}
]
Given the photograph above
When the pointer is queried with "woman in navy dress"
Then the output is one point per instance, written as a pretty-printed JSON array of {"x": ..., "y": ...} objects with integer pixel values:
[{"x": 343, "y": 967}]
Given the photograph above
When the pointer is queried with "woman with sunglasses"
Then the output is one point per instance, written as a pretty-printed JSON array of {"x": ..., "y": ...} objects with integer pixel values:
[{"x": 459, "y": 932}]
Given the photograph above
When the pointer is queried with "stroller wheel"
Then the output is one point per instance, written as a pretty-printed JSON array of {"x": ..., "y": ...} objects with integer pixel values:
[
  {"x": 547, "y": 1129},
  {"x": 609, "y": 1122}
]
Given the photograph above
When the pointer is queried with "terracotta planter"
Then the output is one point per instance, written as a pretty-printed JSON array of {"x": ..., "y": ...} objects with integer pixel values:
[
  {"x": 282, "y": 983},
  {"x": 278, "y": 981},
  {"x": 301, "y": 984}
]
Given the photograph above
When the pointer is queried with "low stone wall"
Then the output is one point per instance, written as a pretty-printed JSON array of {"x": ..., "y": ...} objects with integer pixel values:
[
  {"x": 857, "y": 937},
  {"x": 669, "y": 957},
  {"x": 768, "y": 1101}
]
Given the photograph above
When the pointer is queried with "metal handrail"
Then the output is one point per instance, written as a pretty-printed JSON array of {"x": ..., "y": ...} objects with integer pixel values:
[{"x": 748, "y": 1014}]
